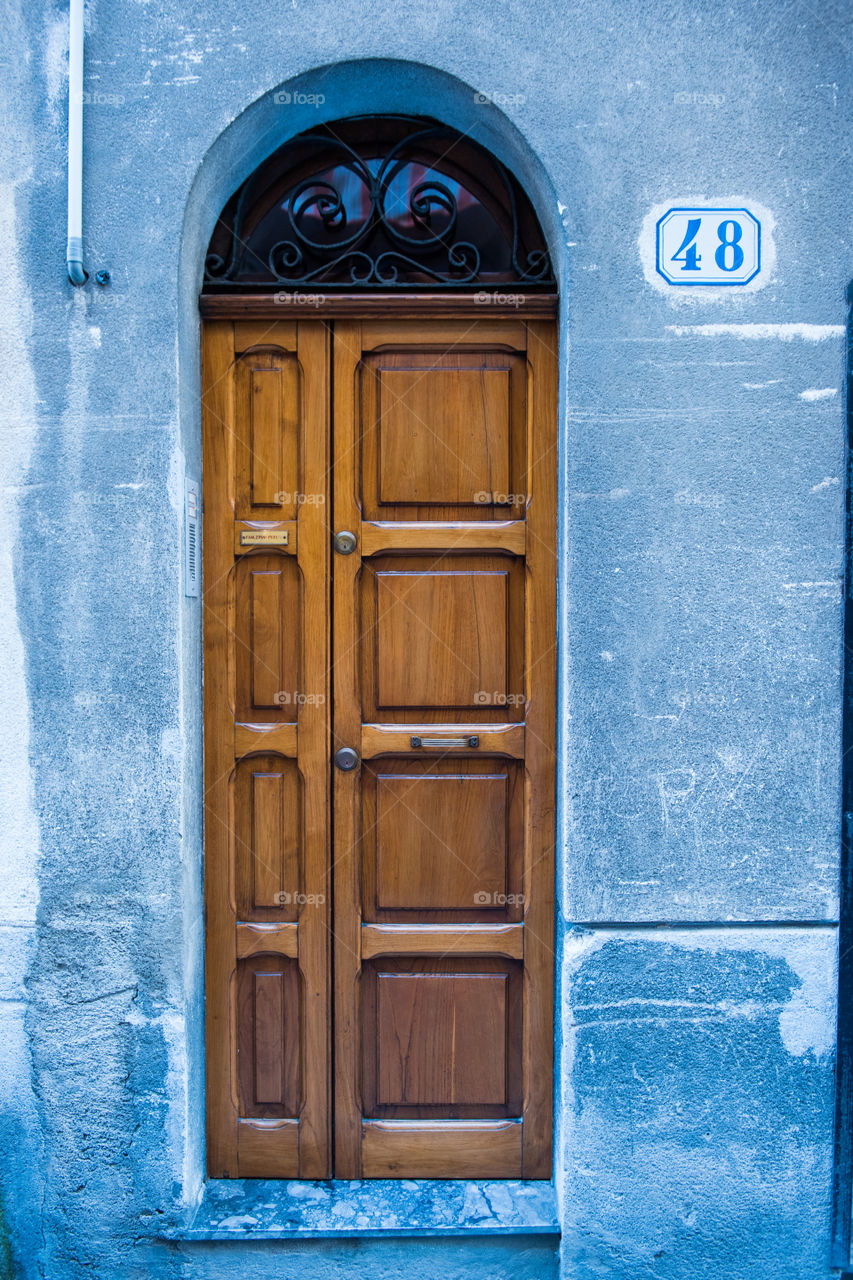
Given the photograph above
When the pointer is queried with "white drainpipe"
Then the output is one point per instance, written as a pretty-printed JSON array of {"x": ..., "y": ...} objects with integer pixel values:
[{"x": 74, "y": 250}]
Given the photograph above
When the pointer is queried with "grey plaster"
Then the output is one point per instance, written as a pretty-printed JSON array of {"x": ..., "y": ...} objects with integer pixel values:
[{"x": 700, "y": 552}]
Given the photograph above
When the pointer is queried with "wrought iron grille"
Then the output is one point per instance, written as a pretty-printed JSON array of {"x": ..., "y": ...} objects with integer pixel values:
[{"x": 378, "y": 202}]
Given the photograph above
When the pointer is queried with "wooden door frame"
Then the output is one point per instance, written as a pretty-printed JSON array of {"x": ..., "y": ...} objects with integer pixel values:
[{"x": 509, "y": 302}]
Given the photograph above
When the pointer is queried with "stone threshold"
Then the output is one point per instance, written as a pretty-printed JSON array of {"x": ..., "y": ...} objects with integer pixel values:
[{"x": 260, "y": 1209}]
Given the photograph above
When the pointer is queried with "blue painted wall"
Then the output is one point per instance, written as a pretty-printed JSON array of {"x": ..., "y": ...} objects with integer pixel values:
[{"x": 702, "y": 480}]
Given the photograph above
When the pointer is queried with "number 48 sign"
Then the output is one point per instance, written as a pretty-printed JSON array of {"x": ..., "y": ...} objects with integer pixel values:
[{"x": 708, "y": 246}]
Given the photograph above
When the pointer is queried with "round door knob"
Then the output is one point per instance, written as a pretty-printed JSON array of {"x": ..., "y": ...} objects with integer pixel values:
[
  {"x": 346, "y": 759},
  {"x": 345, "y": 542}
]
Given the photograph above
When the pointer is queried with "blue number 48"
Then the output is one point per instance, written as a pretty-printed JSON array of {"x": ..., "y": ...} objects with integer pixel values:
[{"x": 728, "y": 256}]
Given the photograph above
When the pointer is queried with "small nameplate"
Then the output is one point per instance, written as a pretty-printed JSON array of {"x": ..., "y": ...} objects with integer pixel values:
[{"x": 263, "y": 537}]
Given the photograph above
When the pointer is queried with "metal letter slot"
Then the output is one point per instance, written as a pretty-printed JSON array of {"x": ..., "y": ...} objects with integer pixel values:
[
  {"x": 446, "y": 744},
  {"x": 263, "y": 537}
]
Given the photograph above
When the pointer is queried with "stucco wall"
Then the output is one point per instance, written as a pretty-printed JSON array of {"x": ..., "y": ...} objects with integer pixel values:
[{"x": 702, "y": 481}]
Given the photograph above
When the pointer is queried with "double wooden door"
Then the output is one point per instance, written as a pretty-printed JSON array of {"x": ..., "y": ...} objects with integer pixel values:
[{"x": 379, "y": 625}]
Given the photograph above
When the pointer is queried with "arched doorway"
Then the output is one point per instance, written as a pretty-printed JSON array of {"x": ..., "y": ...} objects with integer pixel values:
[{"x": 379, "y": 587}]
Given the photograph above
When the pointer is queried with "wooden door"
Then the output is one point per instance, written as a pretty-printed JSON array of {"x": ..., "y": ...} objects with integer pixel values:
[
  {"x": 444, "y": 659},
  {"x": 266, "y": 616},
  {"x": 425, "y": 644}
]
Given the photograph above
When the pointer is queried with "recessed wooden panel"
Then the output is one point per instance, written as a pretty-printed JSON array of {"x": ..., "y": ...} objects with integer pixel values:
[
  {"x": 265, "y": 603},
  {"x": 268, "y": 1036},
  {"x": 444, "y": 436},
  {"x": 266, "y": 409},
  {"x": 267, "y": 820},
  {"x": 441, "y": 1038},
  {"x": 266, "y": 638},
  {"x": 441, "y": 637},
  {"x": 443, "y": 433},
  {"x": 441, "y": 840},
  {"x": 450, "y": 656},
  {"x": 267, "y": 388}
]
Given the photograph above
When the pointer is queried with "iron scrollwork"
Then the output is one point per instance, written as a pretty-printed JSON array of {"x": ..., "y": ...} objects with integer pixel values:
[{"x": 363, "y": 218}]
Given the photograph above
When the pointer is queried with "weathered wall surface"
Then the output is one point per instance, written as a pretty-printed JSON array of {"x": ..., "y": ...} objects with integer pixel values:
[
  {"x": 698, "y": 1106},
  {"x": 702, "y": 481}
]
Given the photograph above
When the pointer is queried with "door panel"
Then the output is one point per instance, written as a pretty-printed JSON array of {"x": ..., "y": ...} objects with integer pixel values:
[
  {"x": 266, "y": 433},
  {"x": 440, "y": 638},
  {"x": 267, "y": 392},
  {"x": 443, "y": 432},
  {"x": 442, "y": 633},
  {"x": 442, "y": 838},
  {"x": 442, "y": 1039},
  {"x": 439, "y": 840},
  {"x": 266, "y": 610},
  {"x": 443, "y": 650},
  {"x": 268, "y": 1056},
  {"x": 267, "y": 823},
  {"x": 443, "y": 435}
]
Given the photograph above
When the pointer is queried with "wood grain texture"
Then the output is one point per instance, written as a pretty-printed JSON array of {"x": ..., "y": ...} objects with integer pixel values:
[
  {"x": 440, "y": 1041},
  {"x": 433, "y": 940},
  {"x": 447, "y": 535},
  {"x": 346, "y": 725},
  {"x": 442, "y": 1038},
  {"x": 268, "y": 398},
  {"x": 265, "y": 1147},
  {"x": 452, "y": 1149},
  {"x": 315, "y": 1127},
  {"x": 364, "y": 306},
  {"x": 442, "y": 638},
  {"x": 267, "y": 939},
  {"x": 442, "y": 839},
  {"x": 266, "y": 427},
  {"x": 442, "y": 433},
  {"x": 493, "y": 739},
  {"x": 440, "y": 626},
  {"x": 266, "y": 466},
  {"x": 249, "y": 738},
  {"x": 264, "y": 649},
  {"x": 268, "y": 1036},
  {"x": 267, "y": 825},
  {"x": 439, "y": 1019},
  {"x": 414, "y": 335},
  {"x": 220, "y": 942}
]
